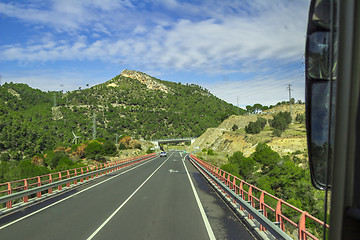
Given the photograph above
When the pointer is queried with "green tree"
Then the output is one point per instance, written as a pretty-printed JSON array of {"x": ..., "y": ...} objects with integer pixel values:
[
  {"x": 93, "y": 150},
  {"x": 246, "y": 166},
  {"x": 234, "y": 127},
  {"x": 210, "y": 152},
  {"x": 109, "y": 148},
  {"x": 257, "y": 107},
  {"x": 53, "y": 157},
  {"x": 266, "y": 157},
  {"x": 231, "y": 168},
  {"x": 253, "y": 128},
  {"x": 281, "y": 121}
]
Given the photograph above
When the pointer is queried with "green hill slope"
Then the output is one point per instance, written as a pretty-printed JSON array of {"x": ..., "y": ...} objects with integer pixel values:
[{"x": 132, "y": 103}]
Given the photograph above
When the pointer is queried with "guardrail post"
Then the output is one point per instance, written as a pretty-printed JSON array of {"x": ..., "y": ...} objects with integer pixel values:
[
  {"x": 87, "y": 171},
  {"x": 262, "y": 208},
  {"x": 250, "y": 199},
  {"x": 60, "y": 178},
  {"x": 25, "y": 198},
  {"x": 50, "y": 181},
  {"x": 234, "y": 184},
  {"x": 82, "y": 172},
  {"x": 278, "y": 214},
  {"x": 9, "y": 203},
  {"x": 241, "y": 192},
  {"x": 39, "y": 184},
  {"x": 75, "y": 174},
  {"x": 68, "y": 176},
  {"x": 302, "y": 227},
  {"x": 228, "y": 181}
]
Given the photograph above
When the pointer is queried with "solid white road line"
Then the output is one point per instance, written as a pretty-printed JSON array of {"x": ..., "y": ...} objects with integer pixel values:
[
  {"x": 42, "y": 209},
  {"x": 118, "y": 209},
  {"x": 203, "y": 214}
]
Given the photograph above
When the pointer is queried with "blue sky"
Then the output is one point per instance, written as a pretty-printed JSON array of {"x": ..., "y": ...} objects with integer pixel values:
[{"x": 242, "y": 51}]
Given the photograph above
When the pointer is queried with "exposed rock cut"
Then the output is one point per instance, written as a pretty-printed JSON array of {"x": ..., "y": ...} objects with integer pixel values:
[{"x": 150, "y": 82}]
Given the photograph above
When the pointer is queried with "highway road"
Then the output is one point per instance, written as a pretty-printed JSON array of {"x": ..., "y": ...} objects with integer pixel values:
[{"x": 161, "y": 198}]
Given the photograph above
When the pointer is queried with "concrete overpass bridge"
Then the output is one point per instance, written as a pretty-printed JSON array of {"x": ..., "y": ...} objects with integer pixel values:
[{"x": 157, "y": 142}]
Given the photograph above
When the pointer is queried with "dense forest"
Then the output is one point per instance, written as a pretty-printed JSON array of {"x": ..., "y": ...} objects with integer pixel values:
[{"x": 33, "y": 121}]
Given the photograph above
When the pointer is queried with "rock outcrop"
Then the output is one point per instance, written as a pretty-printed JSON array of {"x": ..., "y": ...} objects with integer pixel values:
[{"x": 149, "y": 81}]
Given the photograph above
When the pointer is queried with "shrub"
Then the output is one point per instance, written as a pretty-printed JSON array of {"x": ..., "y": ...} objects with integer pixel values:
[
  {"x": 52, "y": 158},
  {"x": 256, "y": 127},
  {"x": 122, "y": 146},
  {"x": 245, "y": 165},
  {"x": 149, "y": 150},
  {"x": 93, "y": 148},
  {"x": 4, "y": 157},
  {"x": 109, "y": 148},
  {"x": 277, "y": 132},
  {"x": 300, "y": 118},
  {"x": 235, "y": 127},
  {"x": 262, "y": 122},
  {"x": 64, "y": 164},
  {"x": 210, "y": 152},
  {"x": 281, "y": 121},
  {"x": 253, "y": 128}
]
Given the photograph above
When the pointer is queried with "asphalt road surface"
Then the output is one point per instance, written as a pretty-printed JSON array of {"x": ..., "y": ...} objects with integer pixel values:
[{"x": 162, "y": 198}]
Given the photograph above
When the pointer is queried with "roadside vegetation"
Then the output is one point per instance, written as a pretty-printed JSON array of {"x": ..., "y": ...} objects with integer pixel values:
[
  {"x": 281, "y": 176},
  {"x": 64, "y": 158}
]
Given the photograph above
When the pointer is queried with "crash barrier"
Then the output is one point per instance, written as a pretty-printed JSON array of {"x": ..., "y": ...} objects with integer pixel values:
[
  {"x": 34, "y": 187},
  {"x": 271, "y": 213}
]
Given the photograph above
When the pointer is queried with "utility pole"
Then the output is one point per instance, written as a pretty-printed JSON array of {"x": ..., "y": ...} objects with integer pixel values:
[
  {"x": 237, "y": 101},
  {"x": 54, "y": 99},
  {"x": 289, "y": 88},
  {"x": 94, "y": 126}
]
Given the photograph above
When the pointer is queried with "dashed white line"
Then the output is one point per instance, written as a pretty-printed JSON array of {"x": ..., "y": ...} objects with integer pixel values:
[
  {"x": 42, "y": 209},
  {"x": 118, "y": 209}
]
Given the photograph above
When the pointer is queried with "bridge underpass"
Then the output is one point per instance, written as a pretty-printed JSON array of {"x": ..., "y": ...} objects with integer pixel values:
[{"x": 153, "y": 199}]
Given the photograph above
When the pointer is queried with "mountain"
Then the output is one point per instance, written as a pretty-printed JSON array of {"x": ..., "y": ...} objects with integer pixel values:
[{"x": 132, "y": 103}]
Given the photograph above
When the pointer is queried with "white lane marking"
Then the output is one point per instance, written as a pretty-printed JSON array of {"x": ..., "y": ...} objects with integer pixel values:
[
  {"x": 118, "y": 209},
  {"x": 203, "y": 214},
  {"x": 42, "y": 209}
]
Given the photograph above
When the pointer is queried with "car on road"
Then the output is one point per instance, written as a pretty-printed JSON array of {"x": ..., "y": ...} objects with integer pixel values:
[{"x": 163, "y": 154}]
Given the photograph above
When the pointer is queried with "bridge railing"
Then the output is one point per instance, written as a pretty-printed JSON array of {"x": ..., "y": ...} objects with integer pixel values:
[
  {"x": 174, "y": 139},
  {"x": 288, "y": 217},
  {"x": 36, "y": 186}
]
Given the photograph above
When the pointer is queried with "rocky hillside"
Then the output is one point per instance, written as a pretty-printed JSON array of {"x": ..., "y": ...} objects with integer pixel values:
[{"x": 224, "y": 140}]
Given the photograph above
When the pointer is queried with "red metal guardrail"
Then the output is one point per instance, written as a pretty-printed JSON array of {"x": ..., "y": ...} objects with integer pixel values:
[
  {"x": 271, "y": 206},
  {"x": 28, "y": 183}
]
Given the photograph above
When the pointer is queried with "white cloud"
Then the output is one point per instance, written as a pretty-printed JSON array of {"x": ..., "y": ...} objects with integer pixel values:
[
  {"x": 209, "y": 45},
  {"x": 214, "y": 37}
]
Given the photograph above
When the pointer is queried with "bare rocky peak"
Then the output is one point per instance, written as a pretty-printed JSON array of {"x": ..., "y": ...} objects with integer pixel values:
[
  {"x": 14, "y": 93},
  {"x": 150, "y": 82}
]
